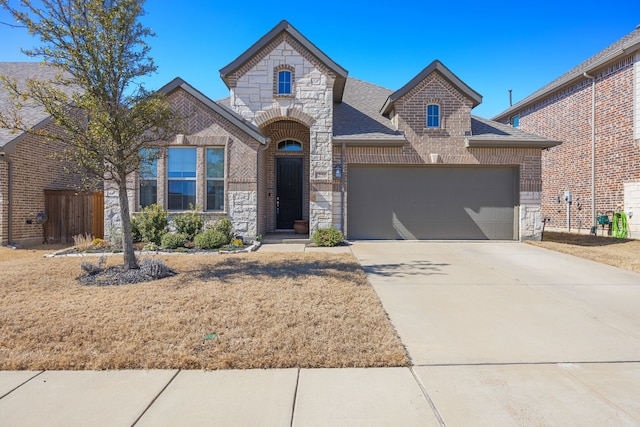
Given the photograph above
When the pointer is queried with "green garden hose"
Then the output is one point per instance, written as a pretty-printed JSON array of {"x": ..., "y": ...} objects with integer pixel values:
[{"x": 619, "y": 225}]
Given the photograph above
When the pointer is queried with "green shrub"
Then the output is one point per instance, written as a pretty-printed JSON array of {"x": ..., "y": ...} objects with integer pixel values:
[
  {"x": 327, "y": 237},
  {"x": 174, "y": 240},
  {"x": 225, "y": 226},
  {"x": 151, "y": 223},
  {"x": 211, "y": 239},
  {"x": 135, "y": 231},
  {"x": 189, "y": 223}
]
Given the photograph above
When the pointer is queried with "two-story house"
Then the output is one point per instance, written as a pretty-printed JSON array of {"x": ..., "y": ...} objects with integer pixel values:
[
  {"x": 298, "y": 139},
  {"x": 594, "y": 109}
]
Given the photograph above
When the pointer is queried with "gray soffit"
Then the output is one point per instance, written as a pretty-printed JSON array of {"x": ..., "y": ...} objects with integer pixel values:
[
  {"x": 489, "y": 134},
  {"x": 232, "y": 117},
  {"x": 625, "y": 46},
  {"x": 438, "y": 66},
  {"x": 284, "y": 26}
]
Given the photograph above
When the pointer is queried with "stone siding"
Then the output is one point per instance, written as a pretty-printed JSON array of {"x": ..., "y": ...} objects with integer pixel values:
[{"x": 311, "y": 104}]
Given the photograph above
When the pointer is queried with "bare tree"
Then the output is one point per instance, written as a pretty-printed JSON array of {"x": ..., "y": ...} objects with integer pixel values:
[{"x": 100, "y": 48}]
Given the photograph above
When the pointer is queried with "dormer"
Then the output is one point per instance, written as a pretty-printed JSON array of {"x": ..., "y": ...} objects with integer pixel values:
[{"x": 435, "y": 102}]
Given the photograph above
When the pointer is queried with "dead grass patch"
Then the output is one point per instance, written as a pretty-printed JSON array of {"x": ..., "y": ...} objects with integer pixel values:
[
  {"x": 621, "y": 253},
  {"x": 233, "y": 311}
]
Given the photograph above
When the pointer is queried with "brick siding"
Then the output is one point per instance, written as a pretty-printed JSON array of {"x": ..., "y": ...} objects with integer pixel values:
[
  {"x": 34, "y": 170},
  {"x": 566, "y": 116}
]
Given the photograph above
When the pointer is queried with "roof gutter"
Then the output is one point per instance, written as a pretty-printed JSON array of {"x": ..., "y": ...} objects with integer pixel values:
[{"x": 3, "y": 157}]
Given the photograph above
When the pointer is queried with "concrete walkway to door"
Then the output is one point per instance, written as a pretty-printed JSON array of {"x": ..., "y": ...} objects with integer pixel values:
[{"x": 510, "y": 334}]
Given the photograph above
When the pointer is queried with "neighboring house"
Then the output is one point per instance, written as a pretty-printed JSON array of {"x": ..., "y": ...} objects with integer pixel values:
[
  {"x": 33, "y": 182},
  {"x": 300, "y": 140},
  {"x": 594, "y": 109}
]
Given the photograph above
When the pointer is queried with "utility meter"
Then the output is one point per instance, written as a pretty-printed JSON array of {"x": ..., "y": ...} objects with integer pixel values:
[{"x": 568, "y": 197}]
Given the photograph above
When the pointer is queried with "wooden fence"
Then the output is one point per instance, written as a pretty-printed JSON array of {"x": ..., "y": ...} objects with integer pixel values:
[{"x": 72, "y": 213}]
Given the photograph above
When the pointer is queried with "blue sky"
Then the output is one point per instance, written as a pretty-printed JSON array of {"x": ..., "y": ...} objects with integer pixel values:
[{"x": 492, "y": 46}]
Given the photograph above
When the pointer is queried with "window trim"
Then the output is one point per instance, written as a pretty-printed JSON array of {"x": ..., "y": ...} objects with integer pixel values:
[
  {"x": 289, "y": 143},
  {"x": 143, "y": 178},
  {"x": 428, "y": 116},
  {"x": 222, "y": 179},
  {"x": 193, "y": 179},
  {"x": 276, "y": 80}
]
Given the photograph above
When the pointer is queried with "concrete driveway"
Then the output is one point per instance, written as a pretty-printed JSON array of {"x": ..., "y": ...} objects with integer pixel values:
[{"x": 513, "y": 334}]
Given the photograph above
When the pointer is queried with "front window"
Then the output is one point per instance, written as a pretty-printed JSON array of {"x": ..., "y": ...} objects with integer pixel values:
[
  {"x": 215, "y": 179},
  {"x": 181, "y": 174},
  {"x": 284, "y": 82},
  {"x": 433, "y": 116},
  {"x": 148, "y": 176}
]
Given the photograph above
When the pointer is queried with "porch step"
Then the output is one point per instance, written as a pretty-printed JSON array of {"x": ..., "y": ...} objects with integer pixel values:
[{"x": 279, "y": 238}]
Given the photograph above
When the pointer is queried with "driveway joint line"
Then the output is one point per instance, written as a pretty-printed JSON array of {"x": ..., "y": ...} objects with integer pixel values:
[
  {"x": 156, "y": 398},
  {"x": 295, "y": 398},
  {"x": 20, "y": 385},
  {"x": 427, "y": 397}
]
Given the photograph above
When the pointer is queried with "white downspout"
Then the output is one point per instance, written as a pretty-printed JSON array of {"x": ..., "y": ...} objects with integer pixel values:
[
  {"x": 593, "y": 149},
  {"x": 342, "y": 189}
]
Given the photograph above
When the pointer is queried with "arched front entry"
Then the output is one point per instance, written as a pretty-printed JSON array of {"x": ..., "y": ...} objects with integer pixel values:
[{"x": 285, "y": 175}]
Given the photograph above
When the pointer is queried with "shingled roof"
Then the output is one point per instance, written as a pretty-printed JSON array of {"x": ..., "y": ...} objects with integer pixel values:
[
  {"x": 487, "y": 133},
  {"x": 625, "y": 46},
  {"x": 32, "y": 116},
  {"x": 357, "y": 119}
]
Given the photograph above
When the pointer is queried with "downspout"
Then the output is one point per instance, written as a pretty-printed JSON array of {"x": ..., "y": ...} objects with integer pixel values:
[
  {"x": 3, "y": 156},
  {"x": 593, "y": 149},
  {"x": 342, "y": 189}
]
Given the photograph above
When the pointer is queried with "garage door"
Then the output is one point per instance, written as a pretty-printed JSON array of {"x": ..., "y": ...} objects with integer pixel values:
[{"x": 418, "y": 202}]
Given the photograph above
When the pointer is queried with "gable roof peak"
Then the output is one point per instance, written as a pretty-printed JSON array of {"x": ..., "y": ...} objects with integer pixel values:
[
  {"x": 285, "y": 27},
  {"x": 435, "y": 66}
]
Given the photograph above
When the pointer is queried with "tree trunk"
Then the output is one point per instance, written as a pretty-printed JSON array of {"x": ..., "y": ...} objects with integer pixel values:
[{"x": 130, "y": 261}]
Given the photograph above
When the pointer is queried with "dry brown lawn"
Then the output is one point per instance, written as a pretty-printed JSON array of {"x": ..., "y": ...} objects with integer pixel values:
[
  {"x": 241, "y": 311},
  {"x": 622, "y": 253}
]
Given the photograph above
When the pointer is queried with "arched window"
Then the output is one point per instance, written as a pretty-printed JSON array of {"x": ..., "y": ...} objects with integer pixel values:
[
  {"x": 433, "y": 116},
  {"x": 284, "y": 82},
  {"x": 289, "y": 145}
]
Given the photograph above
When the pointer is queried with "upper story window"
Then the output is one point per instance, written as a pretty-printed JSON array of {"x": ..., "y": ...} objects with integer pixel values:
[
  {"x": 181, "y": 178},
  {"x": 284, "y": 79},
  {"x": 148, "y": 173},
  {"x": 515, "y": 121},
  {"x": 433, "y": 116},
  {"x": 289, "y": 145}
]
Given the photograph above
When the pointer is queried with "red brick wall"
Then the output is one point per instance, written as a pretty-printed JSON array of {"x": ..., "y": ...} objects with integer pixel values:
[
  {"x": 34, "y": 170},
  {"x": 566, "y": 116}
]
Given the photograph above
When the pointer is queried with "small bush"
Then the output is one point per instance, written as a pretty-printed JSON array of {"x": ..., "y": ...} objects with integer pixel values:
[
  {"x": 225, "y": 226},
  {"x": 211, "y": 239},
  {"x": 156, "y": 268},
  {"x": 151, "y": 223},
  {"x": 189, "y": 223},
  {"x": 174, "y": 240},
  {"x": 135, "y": 231},
  {"x": 83, "y": 241},
  {"x": 327, "y": 237}
]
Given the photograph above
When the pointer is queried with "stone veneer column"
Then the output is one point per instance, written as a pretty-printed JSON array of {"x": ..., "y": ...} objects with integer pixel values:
[
  {"x": 530, "y": 215},
  {"x": 243, "y": 212}
]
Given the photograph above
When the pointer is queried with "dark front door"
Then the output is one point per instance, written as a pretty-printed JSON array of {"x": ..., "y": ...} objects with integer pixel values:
[{"x": 288, "y": 191}]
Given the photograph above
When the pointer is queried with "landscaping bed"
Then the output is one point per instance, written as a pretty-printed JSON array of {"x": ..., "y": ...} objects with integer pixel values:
[{"x": 249, "y": 310}]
